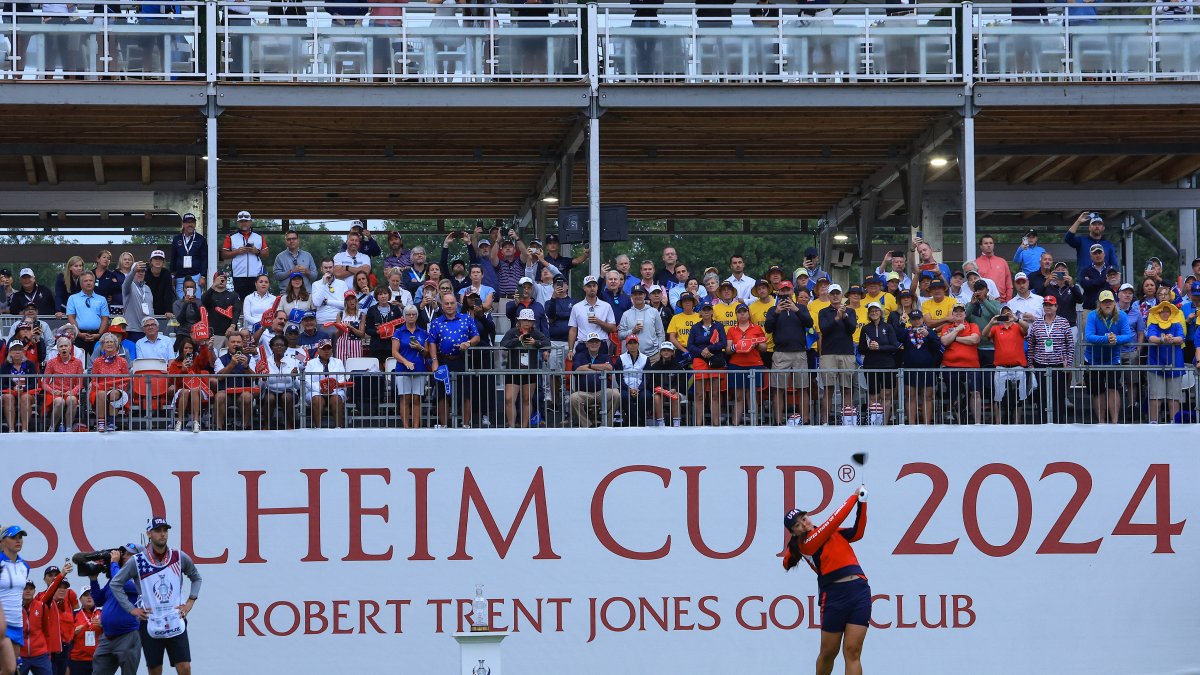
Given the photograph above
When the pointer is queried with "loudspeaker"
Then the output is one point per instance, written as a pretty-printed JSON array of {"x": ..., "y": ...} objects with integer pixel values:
[{"x": 573, "y": 223}]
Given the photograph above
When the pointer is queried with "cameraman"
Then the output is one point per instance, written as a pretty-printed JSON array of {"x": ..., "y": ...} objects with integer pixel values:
[
  {"x": 163, "y": 626},
  {"x": 119, "y": 645}
]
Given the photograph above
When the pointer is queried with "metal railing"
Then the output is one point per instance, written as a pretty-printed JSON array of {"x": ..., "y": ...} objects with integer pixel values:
[
  {"x": 539, "y": 397},
  {"x": 778, "y": 42},
  {"x": 384, "y": 42},
  {"x": 678, "y": 42},
  {"x": 1094, "y": 41},
  {"x": 129, "y": 40}
]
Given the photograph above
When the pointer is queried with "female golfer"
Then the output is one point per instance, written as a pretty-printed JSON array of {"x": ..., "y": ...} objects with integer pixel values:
[{"x": 845, "y": 595}]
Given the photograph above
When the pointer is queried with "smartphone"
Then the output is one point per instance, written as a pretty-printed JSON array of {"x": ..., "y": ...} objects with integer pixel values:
[
  {"x": 1060, "y": 275},
  {"x": 1024, "y": 241},
  {"x": 189, "y": 292}
]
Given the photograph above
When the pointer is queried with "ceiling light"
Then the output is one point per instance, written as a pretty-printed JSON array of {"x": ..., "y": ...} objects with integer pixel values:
[
  {"x": 550, "y": 199},
  {"x": 841, "y": 238},
  {"x": 938, "y": 162}
]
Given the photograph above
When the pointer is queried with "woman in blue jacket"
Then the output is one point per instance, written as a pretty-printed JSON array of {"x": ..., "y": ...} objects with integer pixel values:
[
  {"x": 706, "y": 345},
  {"x": 920, "y": 356},
  {"x": 1165, "y": 333},
  {"x": 1106, "y": 332}
]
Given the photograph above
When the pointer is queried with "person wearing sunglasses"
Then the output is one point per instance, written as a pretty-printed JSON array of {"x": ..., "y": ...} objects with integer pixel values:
[{"x": 88, "y": 312}]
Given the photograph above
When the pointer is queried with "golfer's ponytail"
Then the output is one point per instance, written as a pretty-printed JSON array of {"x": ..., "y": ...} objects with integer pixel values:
[{"x": 791, "y": 557}]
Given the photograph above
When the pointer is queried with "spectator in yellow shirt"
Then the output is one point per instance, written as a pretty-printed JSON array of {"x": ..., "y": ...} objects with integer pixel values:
[
  {"x": 938, "y": 307},
  {"x": 758, "y": 314},
  {"x": 875, "y": 293},
  {"x": 681, "y": 323}
]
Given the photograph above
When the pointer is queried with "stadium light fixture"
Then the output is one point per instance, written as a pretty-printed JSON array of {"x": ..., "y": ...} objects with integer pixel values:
[
  {"x": 550, "y": 199},
  {"x": 841, "y": 238},
  {"x": 938, "y": 162}
]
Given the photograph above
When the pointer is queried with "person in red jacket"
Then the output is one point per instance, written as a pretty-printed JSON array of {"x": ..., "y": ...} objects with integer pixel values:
[
  {"x": 60, "y": 607},
  {"x": 41, "y": 626},
  {"x": 845, "y": 594},
  {"x": 86, "y": 634}
]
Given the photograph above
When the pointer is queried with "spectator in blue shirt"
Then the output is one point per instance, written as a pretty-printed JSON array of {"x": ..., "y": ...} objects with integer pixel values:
[
  {"x": 1107, "y": 331},
  {"x": 1165, "y": 333},
  {"x": 1083, "y": 245},
  {"x": 120, "y": 646},
  {"x": 410, "y": 347},
  {"x": 452, "y": 334},
  {"x": 154, "y": 345},
  {"x": 87, "y": 310},
  {"x": 1029, "y": 255}
]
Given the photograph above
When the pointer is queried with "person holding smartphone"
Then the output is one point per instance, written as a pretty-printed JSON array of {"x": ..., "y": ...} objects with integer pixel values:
[{"x": 187, "y": 309}]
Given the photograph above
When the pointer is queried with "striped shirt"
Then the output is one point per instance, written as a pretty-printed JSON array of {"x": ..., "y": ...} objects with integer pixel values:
[{"x": 1051, "y": 344}]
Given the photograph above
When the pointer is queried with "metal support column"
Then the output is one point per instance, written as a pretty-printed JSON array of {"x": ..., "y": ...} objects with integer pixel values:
[
  {"x": 211, "y": 111},
  {"x": 593, "y": 149},
  {"x": 1187, "y": 234},
  {"x": 966, "y": 155}
]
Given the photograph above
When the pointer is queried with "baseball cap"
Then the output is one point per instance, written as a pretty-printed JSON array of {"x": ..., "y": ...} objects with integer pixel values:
[
  {"x": 156, "y": 522},
  {"x": 485, "y": 242},
  {"x": 741, "y": 308},
  {"x": 560, "y": 277},
  {"x": 638, "y": 290},
  {"x": 1195, "y": 289},
  {"x": 656, "y": 288},
  {"x": 915, "y": 314},
  {"x": 959, "y": 305},
  {"x": 308, "y": 315},
  {"x": 632, "y": 338},
  {"x": 666, "y": 345},
  {"x": 811, "y": 252},
  {"x": 352, "y": 294},
  {"x": 893, "y": 276},
  {"x": 1049, "y": 300},
  {"x": 87, "y": 590},
  {"x": 593, "y": 336},
  {"x": 525, "y": 315},
  {"x": 927, "y": 275},
  {"x": 834, "y": 288},
  {"x": 507, "y": 242},
  {"x": 52, "y": 571},
  {"x": 1064, "y": 266},
  {"x": 243, "y": 215},
  {"x": 322, "y": 344},
  {"x": 937, "y": 283},
  {"x": 296, "y": 275},
  {"x": 1096, "y": 247},
  {"x": 800, "y": 272},
  {"x": 792, "y": 517},
  {"x": 5, "y": 272},
  {"x": 1129, "y": 287},
  {"x": 875, "y": 305},
  {"x": 785, "y": 284},
  {"x": 13, "y": 531},
  {"x": 1019, "y": 276},
  {"x": 1095, "y": 218},
  {"x": 706, "y": 305},
  {"x": 551, "y": 237},
  {"x": 686, "y": 296},
  {"x": 774, "y": 268},
  {"x": 189, "y": 216},
  {"x": 115, "y": 327},
  {"x": 156, "y": 253},
  {"x": 291, "y": 328},
  {"x": 958, "y": 273},
  {"x": 525, "y": 280},
  {"x": 1031, "y": 233},
  {"x": 1106, "y": 295},
  {"x": 26, "y": 272},
  {"x": 727, "y": 284},
  {"x": 589, "y": 279},
  {"x": 1110, "y": 271},
  {"x": 905, "y": 293},
  {"x": 872, "y": 279},
  {"x": 855, "y": 289},
  {"x": 980, "y": 285},
  {"x": 761, "y": 282},
  {"x": 536, "y": 243}
]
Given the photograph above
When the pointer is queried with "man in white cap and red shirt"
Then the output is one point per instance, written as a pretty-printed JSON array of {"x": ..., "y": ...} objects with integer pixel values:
[{"x": 247, "y": 250}]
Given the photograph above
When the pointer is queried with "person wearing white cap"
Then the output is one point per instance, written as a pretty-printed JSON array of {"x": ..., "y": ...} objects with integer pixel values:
[
  {"x": 523, "y": 342},
  {"x": 645, "y": 322},
  {"x": 526, "y": 301},
  {"x": 590, "y": 314},
  {"x": 158, "y": 278},
  {"x": 1026, "y": 305},
  {"x": 30, "y": 292},
  {"x": 589, "y": 383},
  {"x": 665, "y": 385},
  {"x": 189, "y": 255},
  {"x": 247, "y": 250}
]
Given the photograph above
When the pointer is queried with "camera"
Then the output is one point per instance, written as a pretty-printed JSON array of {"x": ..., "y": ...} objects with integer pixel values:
[{"x": 94, "y": 563}]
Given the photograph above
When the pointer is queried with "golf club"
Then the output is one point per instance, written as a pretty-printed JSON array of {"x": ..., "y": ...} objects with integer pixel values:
[{"x": 860, "y": 458}]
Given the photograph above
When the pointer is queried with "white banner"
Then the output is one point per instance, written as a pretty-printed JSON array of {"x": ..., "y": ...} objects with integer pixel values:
[{"x": 989, "y": 550}]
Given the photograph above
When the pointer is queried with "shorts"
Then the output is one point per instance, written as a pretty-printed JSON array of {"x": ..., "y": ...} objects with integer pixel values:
[
  {"x": 920, "y": 379},
  {"x": 411, "y": 385},
  {"x": 793, "y": 361},
  {"x": 878, "y": 380},
  {"x": 177, "y": 648},
  {"x": 745, "y": 377},
  {"x": 16, "y": 635},
  {"x": 961, "y": 380},
  {"x": 845, "y": 603},
  {"x": 845, "y": 364},
  {"x": 1162, "y": 387},
  {"x": 520, "y": 380},
  {"x": 1101, "y": 380}
]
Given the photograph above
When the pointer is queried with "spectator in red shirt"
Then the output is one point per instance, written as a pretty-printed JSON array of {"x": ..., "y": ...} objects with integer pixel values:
[
  {"x": 1008, "y": 335},
  {"x": 110, "y": 379},
  {"x": 746, "y": 343},
  {"x": 86, "y": 634},
  {"x": 41, "y": 626},
  {"x": 62, "y": 385},
  {"x": 961, "y": 339}
]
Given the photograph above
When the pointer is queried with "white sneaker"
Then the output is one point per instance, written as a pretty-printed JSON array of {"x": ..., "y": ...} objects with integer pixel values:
[
  {"x": 178, "y": 425},
  {"x": 196, "y": 427}
]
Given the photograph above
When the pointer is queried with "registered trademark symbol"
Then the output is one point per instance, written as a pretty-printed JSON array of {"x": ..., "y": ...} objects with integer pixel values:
[{"x": 846, "y": 473}]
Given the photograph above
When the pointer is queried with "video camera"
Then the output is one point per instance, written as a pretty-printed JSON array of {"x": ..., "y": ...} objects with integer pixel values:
[{"x": 94, "y": 563}]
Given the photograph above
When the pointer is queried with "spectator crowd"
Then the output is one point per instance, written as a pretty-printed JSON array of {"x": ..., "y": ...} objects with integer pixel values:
[{"x": 487, "y": 332}]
